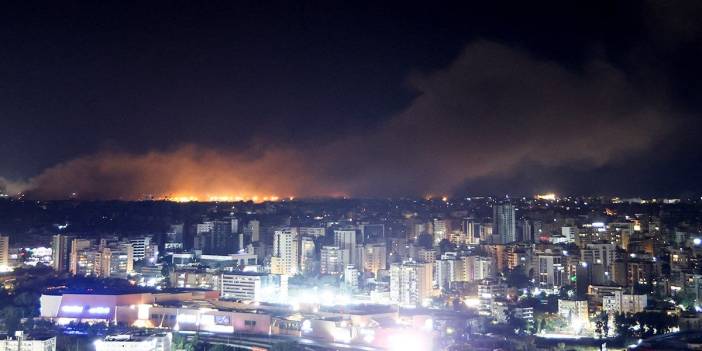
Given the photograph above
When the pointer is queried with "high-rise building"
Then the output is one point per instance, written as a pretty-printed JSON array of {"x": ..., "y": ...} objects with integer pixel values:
[
  {"x": 372, "y": 232},
  {"x": 215, "y": 238},
  {"x": 345, "y": 240},
  {"x": 331, "y": 260},
  {"x": 140, "y": 245},
  {"x": 527, "y": 230},
  {"x": 234, "y": 223},
  {"x": 503, "y": 222},
  {"x": 410, "y": 282},
  {"x": 476, "y": 268},
  {"x": 285, "y": 258},
  {"x": 121, "y": 260},
  {"x": 374, "y": 257},
  {"x": 549, "y": 268},
  {"x": 61, "y": 252},
  {"x": 81, "y": 259},
  {"x": 569, "y": 233},
  {"x": 306, "y": 253},
  {"x": 471, "y": 229},
  {"x": 4, "y": 253},
  {"x": 253, "y": 229},
  {"x": 312, "y": 231},
  {"x": 442, "y": 228},
  {"x": 351, "y": 277},
  {"x": 174, "y": 237},
  {"x": 486, "y": 230},
  {"x": 449, "y": 269}
]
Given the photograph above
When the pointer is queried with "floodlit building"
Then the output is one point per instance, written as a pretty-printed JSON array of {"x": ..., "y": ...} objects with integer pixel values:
[
  {"x": 442, "y": 228},
  {"x": 140, "y": 245},
  {"x": 82, "y": 260},
  {"x": 254, "y": 286},
  {"x": 285, "y": 258},
  {"x": 307, "y": 253},
  {"x": 61, "y": 252},
  {"x": 22, "y": 343},
  {"x": 312, "y": 231},
  {"x": 345, "y": 240},
  {"x": 411, "y": 282},
  {"x": 4, "y": 253},
  {"x": 101, "y": 306},
  {"x": 374, "y": 257},
  {"x": 253, "y": 230},
  {"x": 476, "y": 268},
  {"x": 135, "y": 342},
  {"x": 331, "y": 260},
  {"x": 351, "y": 277},
  {"x": 574, "y": 311},
  {"x": 504, "y": 225},
  {"x": 619, "y": 302}
]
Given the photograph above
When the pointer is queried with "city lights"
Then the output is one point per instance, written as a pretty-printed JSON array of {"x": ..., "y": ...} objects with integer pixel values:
[
  {"x": 99, "y": 310},
  {"x": 72, "y": 309}
]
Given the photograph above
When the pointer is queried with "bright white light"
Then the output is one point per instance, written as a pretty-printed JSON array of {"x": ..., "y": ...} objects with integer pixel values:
[
  {"x": 697, "y": 241},
  {"x": 405, "y": 341},
  {"x": 472, "y": 302},
  {"x": 368, "y": 335},
  {"x": 306, "y": 326},
  {"x": 72, "y": 309},
  {"x": 98, "y": 310},
  {"x": 342, "y": 335},
  {"x": 583, "y": 264},
  {"x": 143, "y": 311},
  {"x": 187, "y": 318}
]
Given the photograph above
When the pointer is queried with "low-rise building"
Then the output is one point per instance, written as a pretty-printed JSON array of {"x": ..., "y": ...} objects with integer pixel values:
[
  {"x": 254, "y": 286},
  {"x": 134, "y": 342},
  {"x": 22, "y": 343}
]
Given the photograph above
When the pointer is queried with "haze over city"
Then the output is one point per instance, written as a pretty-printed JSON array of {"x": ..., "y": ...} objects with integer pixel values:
[
  {"x": 357, "y": 176},
  {"x": 107, "y": 101}
]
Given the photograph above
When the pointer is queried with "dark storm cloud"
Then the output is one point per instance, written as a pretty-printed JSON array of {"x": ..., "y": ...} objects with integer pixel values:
[{"x": 489, "y": 111}]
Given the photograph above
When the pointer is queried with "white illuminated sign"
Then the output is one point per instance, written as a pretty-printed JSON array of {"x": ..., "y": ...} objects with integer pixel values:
[
  {"x": 72, "y": 309},
  {"x": 99, "y": 310}
]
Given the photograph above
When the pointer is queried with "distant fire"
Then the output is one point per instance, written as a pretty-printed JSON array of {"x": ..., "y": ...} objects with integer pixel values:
[
  {"x": 547, "y": 197},
  {"x": 221, "y": 198}
]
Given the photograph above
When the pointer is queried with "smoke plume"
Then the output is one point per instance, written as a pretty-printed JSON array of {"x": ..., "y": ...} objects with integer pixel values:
[{"x": 491, "y": 110}]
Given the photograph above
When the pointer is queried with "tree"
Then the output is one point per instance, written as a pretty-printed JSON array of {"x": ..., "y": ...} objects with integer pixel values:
[
  {"x": 12, "y": 317},
  {"x": 599, "y": 326},
  {"x": 426, "y": 241},
  {"x": 445, "y": 246},
  {"x": 519, "y": 326},
  {"x": 647, "y": 324},
  {"x": 605, "y": 327},
  {"x": 517, "y": 278}
]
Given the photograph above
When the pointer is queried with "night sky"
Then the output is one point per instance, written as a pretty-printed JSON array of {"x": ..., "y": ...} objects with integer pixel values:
[{"x": 129, "y": 100}]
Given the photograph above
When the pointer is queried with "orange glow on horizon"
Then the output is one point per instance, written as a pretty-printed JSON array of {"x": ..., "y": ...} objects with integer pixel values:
[{"x": 220, "y": 198}]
